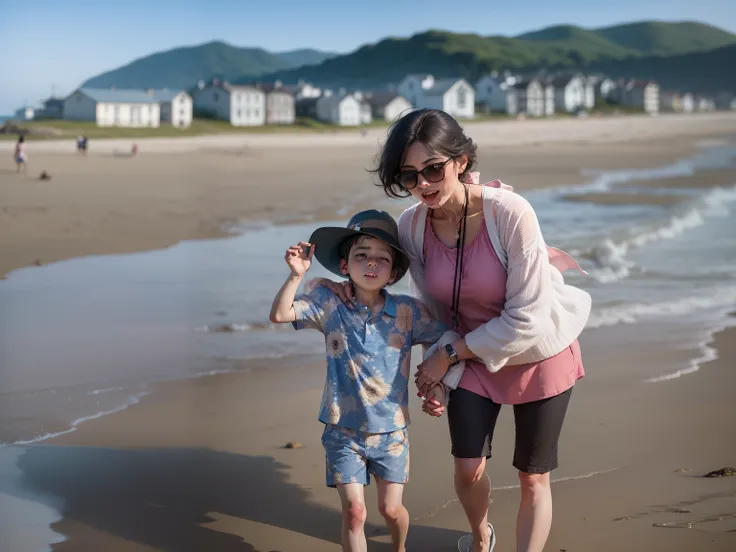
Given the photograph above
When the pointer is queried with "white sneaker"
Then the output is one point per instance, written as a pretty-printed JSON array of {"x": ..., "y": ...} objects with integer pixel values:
[{"x": 465, "y": 543}]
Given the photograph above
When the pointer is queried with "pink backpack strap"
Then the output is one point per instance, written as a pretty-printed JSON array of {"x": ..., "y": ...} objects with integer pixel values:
[
  {"x": 558, "y": 258},
  {"x": 474, "y": 178},
  {"x": 562, "y": 261}
]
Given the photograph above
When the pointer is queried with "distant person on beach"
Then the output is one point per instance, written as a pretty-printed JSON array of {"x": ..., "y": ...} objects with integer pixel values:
[
  {"x": 19, "y": 154},
  {"x": 480, "y": 263},
  {"x": 365, "y": 400},
  {"x": 82, "y": 145}
]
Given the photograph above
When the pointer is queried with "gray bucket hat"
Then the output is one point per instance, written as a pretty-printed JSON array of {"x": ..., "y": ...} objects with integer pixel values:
[{"x": 377, "y": 224}]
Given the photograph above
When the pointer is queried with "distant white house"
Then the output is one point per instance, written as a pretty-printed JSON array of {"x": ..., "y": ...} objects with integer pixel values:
[
  {"x": 53, "y": 108},
  {"x": 366, "y": 112},
  {"x": 589, "y": 92},
  {"x": 25, "y": 113},
  {"x": 604, "y": 87},
  {"x": 642, "y": 94},
  {"x": 687, "y": 103},
  {"x": 303, "y": 90},
  {"x": 549, "y": 99},
  {"x": 454, "y": 96},
  {"x": 280, "y": 104},
  {"x": 497, "y": 94},
  {"x": 388, "y": 106},
  {"x": 176, "y": 106},
  {"x": 569, "y": 93},
  {"x": 726, "y": 101},
  {"x": 112, "y": 107},
  {"x": 532, "y": 97},
  {"x": 670, "y": 101},
  {"x": 343, "y": 110},
  {"x": 241, "y": 105},
  {"x": 412, "y": 87},
  {"x": 704, "y": 103},
  {"x": 306, "y": 107}
]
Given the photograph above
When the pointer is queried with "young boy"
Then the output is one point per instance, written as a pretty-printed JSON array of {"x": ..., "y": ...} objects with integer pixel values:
[{"x": 365, "y": 400}]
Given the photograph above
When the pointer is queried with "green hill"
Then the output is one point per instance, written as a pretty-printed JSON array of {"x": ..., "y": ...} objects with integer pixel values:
[
  {"x": 640, "y": 38},
  {"x": 439, "y": 52},
  {"x": 470, "y": 55},
  {"x": 704, "y": 72},
  {"x": 183, "y": 67},
  {"x": 572, "y": 38},
  {"x": 658, "y": 38},
  {"x": 305, "y": 56}
]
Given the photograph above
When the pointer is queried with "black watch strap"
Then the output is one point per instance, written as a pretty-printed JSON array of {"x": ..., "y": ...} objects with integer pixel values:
[{"x": 451, "y": 354}]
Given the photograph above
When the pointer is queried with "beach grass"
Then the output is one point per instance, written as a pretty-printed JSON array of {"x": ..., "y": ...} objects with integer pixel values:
[{"x": 60, "y": 129}]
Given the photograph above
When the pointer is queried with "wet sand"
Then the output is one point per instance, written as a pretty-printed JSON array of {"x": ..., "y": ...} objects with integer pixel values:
[{"x": 200, "y": 464}]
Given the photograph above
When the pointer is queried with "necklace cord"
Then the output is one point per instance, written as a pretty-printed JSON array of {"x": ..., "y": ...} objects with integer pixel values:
[{"x": 459, "y": 261}]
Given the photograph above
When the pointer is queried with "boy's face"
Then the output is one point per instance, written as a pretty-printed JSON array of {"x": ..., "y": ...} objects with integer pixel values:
[{"x": 370, "y": 264}]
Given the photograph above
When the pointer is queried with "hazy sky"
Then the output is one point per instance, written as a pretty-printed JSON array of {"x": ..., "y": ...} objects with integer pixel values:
[{"x": 53, "y": 45}]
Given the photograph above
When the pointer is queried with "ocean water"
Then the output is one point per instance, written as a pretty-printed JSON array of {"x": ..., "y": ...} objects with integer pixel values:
[{"x": 87, "y": 337}]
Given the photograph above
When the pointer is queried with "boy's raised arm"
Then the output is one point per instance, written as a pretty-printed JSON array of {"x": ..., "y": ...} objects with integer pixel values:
[
  {"x": 282, "y": 309},
  {"x": 298, "y": 258}
]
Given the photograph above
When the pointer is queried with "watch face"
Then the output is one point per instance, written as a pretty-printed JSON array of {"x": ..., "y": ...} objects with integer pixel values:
[{"x": 452, "y": 355}]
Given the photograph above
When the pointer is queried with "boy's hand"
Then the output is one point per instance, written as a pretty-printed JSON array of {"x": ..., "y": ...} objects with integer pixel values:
[
  {"x": 299, "y": 258},
  {"x": 436, "y": 400}
]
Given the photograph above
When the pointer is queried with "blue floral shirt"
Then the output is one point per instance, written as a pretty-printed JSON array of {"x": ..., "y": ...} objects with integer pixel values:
[{"x": 368, "y": 357}]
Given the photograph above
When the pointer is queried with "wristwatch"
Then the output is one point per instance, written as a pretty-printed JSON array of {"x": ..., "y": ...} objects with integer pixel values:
[{"x": 451, "y": 354}]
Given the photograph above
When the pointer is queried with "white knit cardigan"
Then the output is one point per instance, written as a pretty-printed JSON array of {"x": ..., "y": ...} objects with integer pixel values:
[{"x": 542, "y": 315}]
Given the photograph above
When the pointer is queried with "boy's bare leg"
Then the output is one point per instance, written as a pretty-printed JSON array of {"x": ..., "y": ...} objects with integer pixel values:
[
  {"x": 353, "y": 517},
  {"x": 393, "y": 511}
]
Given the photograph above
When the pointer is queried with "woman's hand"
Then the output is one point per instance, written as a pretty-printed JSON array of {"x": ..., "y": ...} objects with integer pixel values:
[
  {"x": 431, "y": 371},
  {"x": 344, "y": 290}
]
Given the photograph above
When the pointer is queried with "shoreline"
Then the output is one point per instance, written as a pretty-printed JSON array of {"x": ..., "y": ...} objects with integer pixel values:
[{"x": 104, "y": 205}]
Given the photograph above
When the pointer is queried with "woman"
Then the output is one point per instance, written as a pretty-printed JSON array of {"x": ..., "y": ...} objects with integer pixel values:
[{"x": 479, "y": 261}]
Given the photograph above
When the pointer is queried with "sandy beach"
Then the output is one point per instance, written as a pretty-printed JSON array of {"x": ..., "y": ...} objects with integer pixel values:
[
  {"x": 199, "y": 463},
  {"x": 195, "y": 188},
  {"x": 201, "y": 466}
]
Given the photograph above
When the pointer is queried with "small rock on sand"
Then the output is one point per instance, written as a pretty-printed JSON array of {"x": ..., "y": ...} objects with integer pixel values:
[
  {"x": 723, "y": 472},
  {"x": 293, "y": 445}
]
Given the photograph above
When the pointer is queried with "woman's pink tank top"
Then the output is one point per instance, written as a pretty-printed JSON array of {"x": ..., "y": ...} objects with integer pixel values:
[{"x": 482, "y": 297}]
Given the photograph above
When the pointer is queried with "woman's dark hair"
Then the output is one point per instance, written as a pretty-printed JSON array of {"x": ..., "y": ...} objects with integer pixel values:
[{"x": 438, "y": 131}]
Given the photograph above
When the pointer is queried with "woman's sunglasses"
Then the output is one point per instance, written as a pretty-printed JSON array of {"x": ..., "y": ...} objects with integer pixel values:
[{"x": 431, "y": 173}]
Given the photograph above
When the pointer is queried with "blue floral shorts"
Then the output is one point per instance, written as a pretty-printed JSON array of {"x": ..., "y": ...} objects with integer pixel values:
[{"x": 352, "y": 455}]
